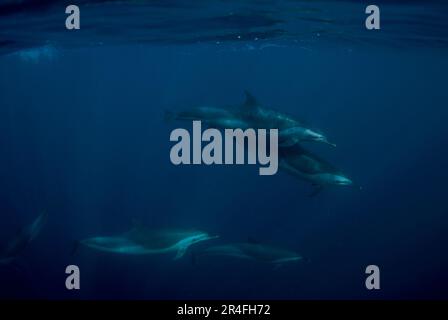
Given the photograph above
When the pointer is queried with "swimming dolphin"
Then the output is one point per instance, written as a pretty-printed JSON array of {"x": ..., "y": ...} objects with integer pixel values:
[
  {"x": 305, "y": 165},
  {"x": 291, "y": 130},
  {"x": 251, "y": 115},
  {"x": 17, "y": 244},
  {"x": 141, "y": 240},
  {"x": 254, "y": 251}
]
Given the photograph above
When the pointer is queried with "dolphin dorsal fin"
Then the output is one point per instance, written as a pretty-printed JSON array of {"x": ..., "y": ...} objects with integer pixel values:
[{"x": 250, "y": 102}]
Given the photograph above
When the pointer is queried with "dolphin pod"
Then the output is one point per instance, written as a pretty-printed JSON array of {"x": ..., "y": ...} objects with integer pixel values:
[
  {"x": 141, "y": 240},
  {"x": 293, "y": 158}
]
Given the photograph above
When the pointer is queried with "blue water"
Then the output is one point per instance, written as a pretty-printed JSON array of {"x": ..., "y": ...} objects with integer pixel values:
[{"x": 83, "y": 137}]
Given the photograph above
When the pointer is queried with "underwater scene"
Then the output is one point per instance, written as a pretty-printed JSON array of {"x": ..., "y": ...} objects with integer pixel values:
[{"x": 181, "y": 150}]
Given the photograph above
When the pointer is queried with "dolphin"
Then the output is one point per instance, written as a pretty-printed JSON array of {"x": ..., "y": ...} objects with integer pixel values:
[
  {"x": 251, "y": 115},
  {"x": 291, "y": 130},
  {"x": 17, "y": 244},
  {"x": 254, "y": 251},
  {"x": 141, "y": 241},
  {"x": 303, "y": 164}
]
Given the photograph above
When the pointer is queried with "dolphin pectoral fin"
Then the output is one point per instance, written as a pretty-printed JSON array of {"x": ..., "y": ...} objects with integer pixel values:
[
  {"x": 318, "y": 189},
  {"x": 329, "y": 143},
  {"x": 181, "y": 252}
]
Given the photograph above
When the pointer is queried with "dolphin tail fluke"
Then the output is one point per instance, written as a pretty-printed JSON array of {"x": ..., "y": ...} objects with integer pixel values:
[
  {"x": 180, "y": 252},
  {"x": 37, "y": 225}
]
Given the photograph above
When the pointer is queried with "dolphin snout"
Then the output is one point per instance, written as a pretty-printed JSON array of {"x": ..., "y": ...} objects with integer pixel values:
[{"x": 343, "y": 181}]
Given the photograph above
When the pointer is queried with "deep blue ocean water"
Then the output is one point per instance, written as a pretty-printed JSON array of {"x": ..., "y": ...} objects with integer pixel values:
[{"x": 83, "y": 137}]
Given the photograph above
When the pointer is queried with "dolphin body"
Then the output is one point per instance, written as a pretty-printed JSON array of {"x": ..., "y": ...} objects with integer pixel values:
[
  {"x": 254, "y": 251},
  {"x": 17, "y": 244},
  {"x": 141, "y": 241},
  {"x": 251, "y": 115},
  {"x": 303, "y": 164},
  {"x": 291, "y": 130},
  {"x": 219, "y": 118}
]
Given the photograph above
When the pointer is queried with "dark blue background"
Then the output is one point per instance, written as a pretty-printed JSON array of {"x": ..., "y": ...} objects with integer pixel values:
[{"x": 82, "y": 136}]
